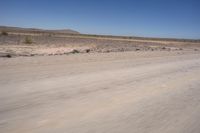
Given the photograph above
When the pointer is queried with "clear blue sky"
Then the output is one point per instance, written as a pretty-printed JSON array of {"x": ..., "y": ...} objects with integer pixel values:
[{"x": 149, "y": 18}]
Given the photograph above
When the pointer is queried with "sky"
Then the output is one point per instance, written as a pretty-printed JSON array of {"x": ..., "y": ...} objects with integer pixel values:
[{"x": 147, "y": 18}]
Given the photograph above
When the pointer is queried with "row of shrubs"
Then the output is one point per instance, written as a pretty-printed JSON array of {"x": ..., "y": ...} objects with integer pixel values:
[{"x": 27, "y": 40}]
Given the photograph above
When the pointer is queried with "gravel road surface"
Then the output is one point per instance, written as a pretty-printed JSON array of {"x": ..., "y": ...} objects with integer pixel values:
[{"x": 127, "y": 92}]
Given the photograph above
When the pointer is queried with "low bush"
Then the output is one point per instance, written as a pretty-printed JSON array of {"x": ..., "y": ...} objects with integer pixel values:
[
  {"x": 4, "y": 33},
  {"x": 28, "y": 40}
]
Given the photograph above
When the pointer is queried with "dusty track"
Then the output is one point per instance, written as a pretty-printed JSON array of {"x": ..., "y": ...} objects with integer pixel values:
[{"x": 130, "y": 92}]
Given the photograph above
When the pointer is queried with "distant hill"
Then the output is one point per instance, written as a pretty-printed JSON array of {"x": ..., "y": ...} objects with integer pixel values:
[{"x": 35, "y": 30}]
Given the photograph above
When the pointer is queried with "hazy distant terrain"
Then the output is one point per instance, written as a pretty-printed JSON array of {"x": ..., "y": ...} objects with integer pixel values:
[
  {"x": 30, "y": 42},
  {"x": 37, "y": 31}
]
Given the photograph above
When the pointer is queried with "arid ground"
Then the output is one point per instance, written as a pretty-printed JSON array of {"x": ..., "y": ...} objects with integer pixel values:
[
  {"x": 34, "y": 42},
  {"x": 111, "y": 85}
]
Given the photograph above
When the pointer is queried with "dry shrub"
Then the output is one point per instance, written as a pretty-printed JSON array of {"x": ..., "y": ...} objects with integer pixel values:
[
  {"x": 4, "y": 33},
  {"x": 28, "y": 40}
]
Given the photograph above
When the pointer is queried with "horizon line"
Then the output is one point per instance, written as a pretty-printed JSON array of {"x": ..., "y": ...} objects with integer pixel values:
[{"x": 96, "y": 34}]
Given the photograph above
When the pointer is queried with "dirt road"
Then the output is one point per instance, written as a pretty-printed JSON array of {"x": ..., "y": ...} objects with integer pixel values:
[{"x": 130, "y": 92}]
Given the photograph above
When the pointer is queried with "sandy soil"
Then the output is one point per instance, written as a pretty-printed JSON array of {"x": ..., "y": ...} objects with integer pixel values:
[
  {"x": 123, "y": 92},
  {"x": 14, "y": 45}
]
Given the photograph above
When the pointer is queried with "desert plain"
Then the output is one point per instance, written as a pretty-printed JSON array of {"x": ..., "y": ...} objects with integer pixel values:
[{"x": 74, "y": 83}]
